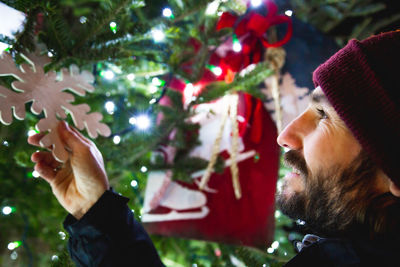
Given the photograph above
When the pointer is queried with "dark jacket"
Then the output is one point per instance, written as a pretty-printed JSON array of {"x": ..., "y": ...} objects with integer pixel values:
[
  {"x": 108, "y": 235},
  {"x": 343, "y": 252}
]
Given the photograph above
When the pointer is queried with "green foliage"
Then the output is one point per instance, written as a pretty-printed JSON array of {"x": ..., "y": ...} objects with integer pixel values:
[
  {"x": 361, "y": 17},
  {"x": 79, "y": 32}
]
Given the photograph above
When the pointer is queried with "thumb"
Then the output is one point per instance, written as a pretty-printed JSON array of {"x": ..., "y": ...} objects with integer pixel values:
[{"x": 69, "y": 137}]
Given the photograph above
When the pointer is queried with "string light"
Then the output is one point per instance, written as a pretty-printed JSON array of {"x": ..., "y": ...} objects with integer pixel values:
[
  {"x": 289, "y": 13},
  {"x": 35, "y": 174},
  {"x": 110, "y": 107},
  {"x": 270, "y": 250},
  {"x": 256, "y": 3},
  {"x": 158, "y": 35},
  {"x": 116, "y": 139},
  {"x": 54, "y": 258},
  {"x": 132, "y": 120},
  {"x": 143, "y": 122},
  {"x": 109, "y": 75},
  {"x": 130, "y": 76},
  {"x": 31, "y": 132},
  {"x": 216, "y": 70},
  {"x": 237, "y": 47},
  {"x": 153, "y": 89},
  {"x": 212, "y": 7},
  {"x": 14, "y": 255},
  {"x": 7, "y": 210},
  {"x": 143, "y": 169},
  {"x": 82, "y": 20},
  {"x": 152, "y": 101},
  {"x": 14, "y": 245},
  {"x": 49, "y": 54},
  {"x": 275, "y": 245},
  {"x": 167, "y": 12},
  {"x": 5, "y": 143},
  {"x": 62, "y": 235},
  {"x": 156, "y": 81},
  {"x": 134, "y": 183},
  {"x": 113, "y": 26}
]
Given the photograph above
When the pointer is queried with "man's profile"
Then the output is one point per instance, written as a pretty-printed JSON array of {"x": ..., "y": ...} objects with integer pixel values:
[{"x": 344, "y": 183}]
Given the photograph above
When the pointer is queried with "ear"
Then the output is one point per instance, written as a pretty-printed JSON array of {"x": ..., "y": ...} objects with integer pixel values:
[{"x": 394, "y": 189}]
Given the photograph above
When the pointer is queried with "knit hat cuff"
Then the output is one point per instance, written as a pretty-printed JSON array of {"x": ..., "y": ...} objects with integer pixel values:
[{"x": 347, "y": 79}]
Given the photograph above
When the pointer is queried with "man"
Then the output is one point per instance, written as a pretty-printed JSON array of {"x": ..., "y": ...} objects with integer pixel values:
[{"x": 343, "y": 184}]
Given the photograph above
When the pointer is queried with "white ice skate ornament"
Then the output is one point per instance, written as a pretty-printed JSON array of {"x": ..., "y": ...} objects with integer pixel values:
[{"x": 47, "y": 92}]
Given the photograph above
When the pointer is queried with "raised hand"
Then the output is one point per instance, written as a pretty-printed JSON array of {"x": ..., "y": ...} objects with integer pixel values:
[{"x": 79, "y": 182}]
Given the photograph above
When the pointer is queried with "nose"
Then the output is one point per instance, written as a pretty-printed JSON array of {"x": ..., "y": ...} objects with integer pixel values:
[{"x": 293, "y": 134}]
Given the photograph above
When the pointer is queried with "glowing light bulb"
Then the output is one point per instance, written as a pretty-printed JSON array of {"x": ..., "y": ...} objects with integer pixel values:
[
  {"x": 31, "y": 132},
  {"x": 116, "y": 139},
  {"x": 109, "y": 75},
  {"x": 143, "y": 122},
  {"x": 212, "y": 8},
  {"x": 156, "y": 82},
  {"x": 134, "y": 183},
  {"x": 82, "y": 19},
  {"x": 275, "y": 245},
  {"x": 167, "y": 12},
  {"x": 14, "y": 255},
  {"x": 13, "y": 245},
  {"x": 113, "y": 26},
  {"x": 217, "y": 71},
  {"x": 289, "y": 13},
  {"x": 130, "y": 76},
  {"x": 153, "y": 89},
  {"x": 62, "y": 235},
  {"x": 152, "y": 101},
  {"x": 158, "y": 35},
  {"x": 110, "y": 107},
  {"x": 54, "y": 258},
  {"x": 270, "y": 250},
  {"x": 132, "y": 120},
  {"x": 35, "y": 174},
  {"x": 237, "y": 47},
  {"x": 7, "y": 210},
  {"x": 256, "y": 3},
  {"x": 143, "y": 169},
  {"x": 5, "y": 143},
  {"x": 49, "y": 54}
]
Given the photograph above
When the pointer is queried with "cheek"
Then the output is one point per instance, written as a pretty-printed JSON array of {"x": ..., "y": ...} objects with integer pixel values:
[{"x": 328, "y": 147}]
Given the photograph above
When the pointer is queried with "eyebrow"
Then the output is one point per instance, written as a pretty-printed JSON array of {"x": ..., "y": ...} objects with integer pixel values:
[{"x": 319, "y": 98}]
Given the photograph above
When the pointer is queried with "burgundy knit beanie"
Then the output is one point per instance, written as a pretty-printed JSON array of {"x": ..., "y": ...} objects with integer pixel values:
[{"x": 362, "y": 82}]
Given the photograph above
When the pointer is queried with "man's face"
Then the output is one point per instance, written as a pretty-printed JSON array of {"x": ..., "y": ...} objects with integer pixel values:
[{"x": 329, "y": 169}]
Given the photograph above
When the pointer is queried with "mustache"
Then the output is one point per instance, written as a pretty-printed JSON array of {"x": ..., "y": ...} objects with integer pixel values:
[{"x": 294, "y": 159}]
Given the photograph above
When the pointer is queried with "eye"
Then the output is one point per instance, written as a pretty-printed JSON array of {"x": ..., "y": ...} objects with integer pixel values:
[{"x": 322, "y": 114}]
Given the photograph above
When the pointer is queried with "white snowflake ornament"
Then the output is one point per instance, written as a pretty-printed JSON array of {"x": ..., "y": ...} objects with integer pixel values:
[
  {"x": 294, "y": 99},
  {"x": 48, "y": 94}
]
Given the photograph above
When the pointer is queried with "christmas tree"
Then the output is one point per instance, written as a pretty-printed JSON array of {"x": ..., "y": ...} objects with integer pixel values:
[{"x": 138, "y": 51}]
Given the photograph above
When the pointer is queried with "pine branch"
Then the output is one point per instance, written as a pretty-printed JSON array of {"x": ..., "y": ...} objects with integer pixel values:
[{"x": 100, "y": 25}]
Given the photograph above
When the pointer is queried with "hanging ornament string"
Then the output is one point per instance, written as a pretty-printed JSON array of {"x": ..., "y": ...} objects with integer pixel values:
[
  {"x": 215, "y": 151},
  {"x": 276, "y": 56},
  {"x": 231, "y": 109},
  {"x": 235, "y": 145}
]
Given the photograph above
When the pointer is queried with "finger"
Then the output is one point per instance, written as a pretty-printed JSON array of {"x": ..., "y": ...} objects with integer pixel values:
[
  {"x": 84, "y": 138},
  {"x": 46, "y": 157},
  {"x": 69, "y": 137},
  {"x": 45, "y": 171},
  {"x": 35, "y": 139},
  {"x": 394, "y": 189}
]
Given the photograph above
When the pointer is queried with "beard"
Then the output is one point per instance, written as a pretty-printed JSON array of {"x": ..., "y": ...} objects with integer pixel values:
[{"x": 334, "y": 202}]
